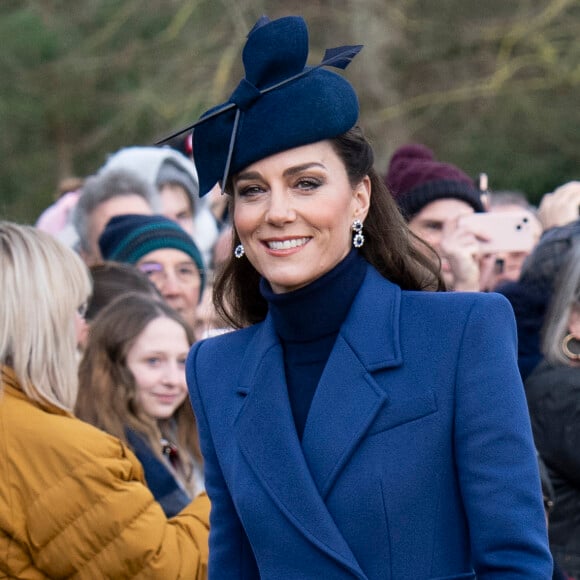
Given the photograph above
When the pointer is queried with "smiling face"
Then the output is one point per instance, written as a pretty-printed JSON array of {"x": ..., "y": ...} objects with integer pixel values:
[
  {"x": 294, "y": 211},
  {"x": 157, "y": 361}
]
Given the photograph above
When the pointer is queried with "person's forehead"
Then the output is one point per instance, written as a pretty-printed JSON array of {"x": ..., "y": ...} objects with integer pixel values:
[
  {"x": 174, "y": 195},
  {"x": 120, "y": 205},
  {"x": 131, "y": 203},
  {"x": 167, "y": 257},
  {"x": 320, "y": 152},
  {"x": 444, "y": 209}
]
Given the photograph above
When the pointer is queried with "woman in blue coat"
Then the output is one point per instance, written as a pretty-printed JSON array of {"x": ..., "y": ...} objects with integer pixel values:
[{"x": 356, "y": 425}]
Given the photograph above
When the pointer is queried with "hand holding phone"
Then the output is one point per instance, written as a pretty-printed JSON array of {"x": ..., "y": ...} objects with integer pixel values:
[{"x": 509, "y": 231}]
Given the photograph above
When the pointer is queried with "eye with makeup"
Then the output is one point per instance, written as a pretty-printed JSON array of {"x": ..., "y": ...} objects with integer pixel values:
[
  {"x": 308, "y": 183},
  {"x": 249, "y": 190}
]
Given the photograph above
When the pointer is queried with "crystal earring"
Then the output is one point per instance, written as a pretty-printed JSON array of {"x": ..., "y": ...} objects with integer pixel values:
[
  {"x": 358, "y": 239},
  {"x": 239, "y": 251}
]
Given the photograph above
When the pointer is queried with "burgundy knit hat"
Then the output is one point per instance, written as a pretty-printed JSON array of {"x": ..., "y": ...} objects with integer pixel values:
[{"x": 415, "y": 179}]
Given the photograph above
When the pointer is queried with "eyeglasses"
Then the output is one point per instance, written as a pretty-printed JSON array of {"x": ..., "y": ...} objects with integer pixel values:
[{"x": 186, "y": 273}]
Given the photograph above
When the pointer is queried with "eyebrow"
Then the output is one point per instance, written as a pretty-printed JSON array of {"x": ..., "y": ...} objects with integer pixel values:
[{"x": 248, "y": 175}]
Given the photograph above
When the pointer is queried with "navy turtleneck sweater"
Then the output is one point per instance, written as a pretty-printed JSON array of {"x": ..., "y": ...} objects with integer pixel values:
[{"x": 307, "y": 321}]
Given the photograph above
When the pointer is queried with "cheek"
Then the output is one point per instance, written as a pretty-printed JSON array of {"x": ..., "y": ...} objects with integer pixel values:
[
  {"x": 418, "y": 230},
  {"x": 183, "y": 396},
  {"x": 188, "y": 225},
  {"x": 332, "y": 217},
  {"x": 245, "y": 220},
  {"x": 159, "y": 287},
  {"x": 433, "y": 237},
  {"x": 194, "y": 296},
  {"x": 141, "y": 377}
]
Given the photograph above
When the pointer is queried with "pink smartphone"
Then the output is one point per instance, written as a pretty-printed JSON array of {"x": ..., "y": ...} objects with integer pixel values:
[{"x": 502, "y": 231}]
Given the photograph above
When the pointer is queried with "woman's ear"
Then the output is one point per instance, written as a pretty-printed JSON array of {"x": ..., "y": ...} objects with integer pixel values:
[{"x": 362, "y": 198}]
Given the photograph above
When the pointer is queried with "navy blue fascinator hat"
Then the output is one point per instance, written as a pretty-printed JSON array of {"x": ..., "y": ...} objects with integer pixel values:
[{"x": 280, "y": 104}]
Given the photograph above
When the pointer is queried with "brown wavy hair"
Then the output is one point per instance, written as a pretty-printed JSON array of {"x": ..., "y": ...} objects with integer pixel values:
[
  {"x": 389, "y": 244},
  {"x": 107, "y": 389}
]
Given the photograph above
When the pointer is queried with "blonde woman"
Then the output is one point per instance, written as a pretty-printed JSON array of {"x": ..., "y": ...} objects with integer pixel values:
[{"x": 73, "y": 502}]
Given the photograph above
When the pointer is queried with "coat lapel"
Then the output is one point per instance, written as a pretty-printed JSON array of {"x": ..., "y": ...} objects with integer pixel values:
[
  {"x": 348, "y": 399},
  {"x": 267, "y": 437},
  {"x": 298, "y": 476}
]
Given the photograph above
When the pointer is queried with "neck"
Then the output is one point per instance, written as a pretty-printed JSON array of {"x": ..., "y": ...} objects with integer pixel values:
[{"x": 319, "y": 308}]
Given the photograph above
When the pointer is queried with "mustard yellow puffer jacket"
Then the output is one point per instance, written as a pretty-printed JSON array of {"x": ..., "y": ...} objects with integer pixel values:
[{"x": 73, "y": 503}]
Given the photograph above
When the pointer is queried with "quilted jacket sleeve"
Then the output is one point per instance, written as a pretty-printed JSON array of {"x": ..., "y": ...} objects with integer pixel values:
[{"x": 108, "y": 525}]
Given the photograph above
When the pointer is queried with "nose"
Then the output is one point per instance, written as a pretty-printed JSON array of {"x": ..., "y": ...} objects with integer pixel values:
[
  {"x": 174, "y": 375},
  {"x": 280, "y": 209},
  {"x": 170, "y": 285}
]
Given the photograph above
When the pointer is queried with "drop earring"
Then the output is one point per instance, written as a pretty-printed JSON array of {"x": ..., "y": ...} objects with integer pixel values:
[
  {"x": 358, "y": 239},
  {"x": 239, "y": 251}
]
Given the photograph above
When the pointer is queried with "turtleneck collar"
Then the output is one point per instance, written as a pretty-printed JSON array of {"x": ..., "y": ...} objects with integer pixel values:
[{"x": 320, "y": 308}]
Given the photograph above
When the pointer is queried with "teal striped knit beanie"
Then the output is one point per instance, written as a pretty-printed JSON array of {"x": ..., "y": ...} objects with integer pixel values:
[{"x": 127, "y": 238}]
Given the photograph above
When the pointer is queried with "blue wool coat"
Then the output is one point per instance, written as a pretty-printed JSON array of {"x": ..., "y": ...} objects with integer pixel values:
[{"x": 417, "y": 459}]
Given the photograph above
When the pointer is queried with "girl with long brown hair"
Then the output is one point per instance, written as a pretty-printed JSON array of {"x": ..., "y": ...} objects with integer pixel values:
[{"x": 132, "y": 385}]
